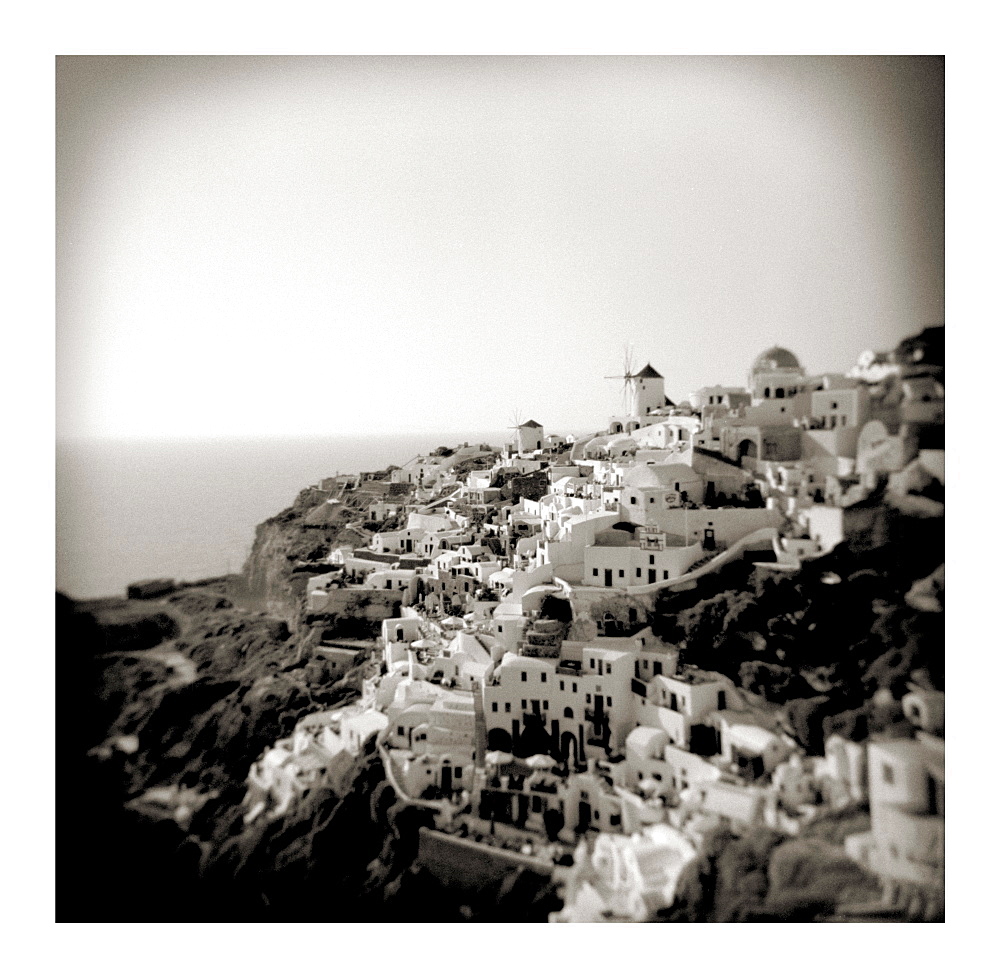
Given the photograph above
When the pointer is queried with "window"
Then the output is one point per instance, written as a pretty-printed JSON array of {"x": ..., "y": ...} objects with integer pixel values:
[
  {"x": 609, "y": 701},
  {"x": 592, "y": 664},
  {"x": 568, "y": 712},
  {"x": 495, "y": 708},
  {"x": 562, "y": 684},
  {"x": 609, "y": 669},
  {"x": 544, "y": 677},
  {"x": 524, "y": 677},
  {"x": 506, "y": 708},
  {"x": 638, "y": 572},
  {"x": 545, "y": 705},
  {"x": 524, "y": 705},
  {"x": 677, "y": 487},
  {"x": 779, "y": 392},
  {"x": 458, "y": 771},
  {"x": 621, "y": 572},
  {"x": 887, "y": 775},
  {"x": 651, "y": 559},
  {"x": 632, "y": 499},
  {"x": 588, "y": 698},
  {"x": 833, "y": 405},
  {"x": 652, "y": 500},
  {"x": 574, "y": 688},
  {"x": 595, "y": 572},
  {"x": 400, "y": 730},
  {"x": 767, "y": 392}
]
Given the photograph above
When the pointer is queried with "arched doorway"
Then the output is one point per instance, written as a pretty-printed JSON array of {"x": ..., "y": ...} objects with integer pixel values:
[
  {"x": 747, "y": 453},
  {"x": 570, "y": 748},
  {"x": 498, "y": 740}
]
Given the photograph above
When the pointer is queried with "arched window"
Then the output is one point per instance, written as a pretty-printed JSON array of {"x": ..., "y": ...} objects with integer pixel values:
[
  {"x": 568, "y": 712},
  {"x": 767, "y": 392}
]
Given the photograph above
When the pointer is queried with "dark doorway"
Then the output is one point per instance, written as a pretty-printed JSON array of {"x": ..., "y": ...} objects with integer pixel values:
[
  {"x": 446, "y": 779},
  {"x": 498, "y": 740},
  {"x": 598, "y": 714},
  {"x": 747, "y": 453},
  {"x": 607, "y": 577},
  {"x": 584, "y": 823},
  {"x": 652, "y": 575}
]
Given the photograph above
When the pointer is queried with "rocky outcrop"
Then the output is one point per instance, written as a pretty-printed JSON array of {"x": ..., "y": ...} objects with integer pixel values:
[{"x": 272, "y": 579}]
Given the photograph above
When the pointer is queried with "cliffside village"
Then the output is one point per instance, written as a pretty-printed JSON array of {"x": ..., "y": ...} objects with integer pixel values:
[{"x": 522, "y": 698}]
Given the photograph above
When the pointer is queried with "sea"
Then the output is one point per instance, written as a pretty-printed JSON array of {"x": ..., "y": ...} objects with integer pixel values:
[{"x": 186, "y": 509}]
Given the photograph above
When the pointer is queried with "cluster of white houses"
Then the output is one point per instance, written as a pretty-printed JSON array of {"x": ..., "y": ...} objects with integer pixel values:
[{"x": 565, "y": 719}]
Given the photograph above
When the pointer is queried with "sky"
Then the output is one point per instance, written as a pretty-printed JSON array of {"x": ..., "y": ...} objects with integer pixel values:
[{"x": 259, "y": 246}]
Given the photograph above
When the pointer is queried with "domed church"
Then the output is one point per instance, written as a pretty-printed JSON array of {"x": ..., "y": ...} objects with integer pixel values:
[{"x": 776, "y": 373}]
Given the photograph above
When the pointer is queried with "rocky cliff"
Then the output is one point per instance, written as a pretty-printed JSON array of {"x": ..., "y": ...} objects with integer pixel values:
[{"x": 291, "y": 539}]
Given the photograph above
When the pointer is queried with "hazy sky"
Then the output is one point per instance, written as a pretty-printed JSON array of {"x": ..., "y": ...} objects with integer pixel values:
[{"x": 344, "y": 245}]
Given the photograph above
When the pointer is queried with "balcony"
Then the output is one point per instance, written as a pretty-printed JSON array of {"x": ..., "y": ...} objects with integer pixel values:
[{"x": 570, "y": 667}]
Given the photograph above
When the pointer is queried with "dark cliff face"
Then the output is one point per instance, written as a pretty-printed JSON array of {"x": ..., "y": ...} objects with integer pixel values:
[{"x": 201, "y": 688}]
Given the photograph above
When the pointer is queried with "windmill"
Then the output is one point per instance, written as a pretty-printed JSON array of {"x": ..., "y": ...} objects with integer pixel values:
[
  {"x": 516, "y": 421},
  {"x": 627, "y": 377}
]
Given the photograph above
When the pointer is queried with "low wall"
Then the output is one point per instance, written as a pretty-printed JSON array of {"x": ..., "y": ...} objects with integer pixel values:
[{"x": 460, "y": 862}]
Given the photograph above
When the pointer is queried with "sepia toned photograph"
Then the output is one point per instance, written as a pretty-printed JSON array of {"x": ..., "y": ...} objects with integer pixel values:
[{"x": 500, "y": 489}]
